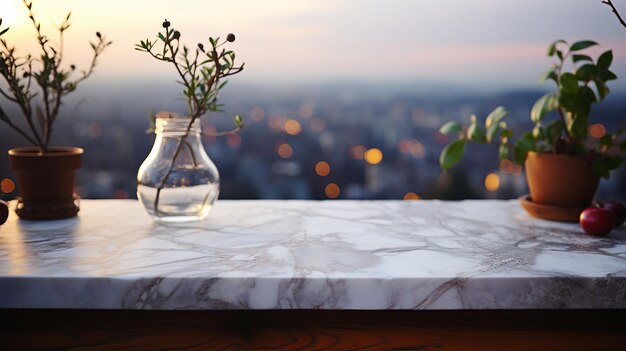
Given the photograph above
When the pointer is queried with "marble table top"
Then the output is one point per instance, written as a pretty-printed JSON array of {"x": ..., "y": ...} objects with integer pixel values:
[{"x": 311, "y": 255}]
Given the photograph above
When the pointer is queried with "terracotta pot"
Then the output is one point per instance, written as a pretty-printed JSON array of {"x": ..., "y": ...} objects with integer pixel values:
[
  {"x": 560, "y": 180},
  {"x": 46, "y": 181}
]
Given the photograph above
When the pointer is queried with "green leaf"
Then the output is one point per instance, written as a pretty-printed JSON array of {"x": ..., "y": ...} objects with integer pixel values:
[
  {"x": 580, "y": 117},
  {"x": 579, "y": 126},
  {"x": 606, "y": 140},
  {"x": 495, "y": 116},
  {"x": 607, "y": 75},
  {"x": 552, "y": 47},
  {"x": 476, "y": 133},
  {"x": 451, "y": 127},
  {"x": 451, "y": 154},
  {"x": 507, "y": 133},
  {"x": 581, "y": 45},
  {"x": 600, "y": 169},
  {"x": 567, "y": 101},
  {"x": 586, "y": 72},
  {"x": 239, "y": 121},
  {"x": 503, "y": 151},
  {"x": 579, "y": 57},
  {"x": 492, "y": 131},
  {"x": 603, "y": 90},
  {"x": 559, "y": 54},
  {"x": 604, "y": 61},
  {"x": 569, "y": 83},
  {"x": 538, "y": 132},
  {"x": 586, "y": 97},
  {"x": 549, "y": 74},
  {"x": 523, "y": 145},
  {"x": 544, "y": 105},
  {"x": 612, "y": 162},
  {"x": 492, "y": 122},
  {"x": 554, "y": 130}
]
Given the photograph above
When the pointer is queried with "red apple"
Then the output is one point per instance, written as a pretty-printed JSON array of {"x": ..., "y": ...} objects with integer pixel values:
[
  {"x": 597, "y": 221},
  {"x": 618, "y": 209},
  {"x": 4, "y": 212}
]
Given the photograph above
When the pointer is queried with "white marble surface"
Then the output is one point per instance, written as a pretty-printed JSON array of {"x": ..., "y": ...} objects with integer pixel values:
[{"x": 311, "y": 255}]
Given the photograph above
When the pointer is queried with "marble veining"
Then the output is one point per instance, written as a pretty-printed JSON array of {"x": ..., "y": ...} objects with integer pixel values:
[{"x": 311, "y": 255}]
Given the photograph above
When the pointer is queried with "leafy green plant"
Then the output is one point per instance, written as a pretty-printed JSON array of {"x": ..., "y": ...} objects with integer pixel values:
[
  {"x": 201, "y": 72},
  {"x": 560, "y": 118},
  {"x": 38, "y": 84}
]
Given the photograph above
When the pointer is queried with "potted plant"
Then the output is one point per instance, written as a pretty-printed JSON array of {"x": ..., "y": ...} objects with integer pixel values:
[
  {"x": 37, "y": 85},
  {"x": 563, "y": 165},
  {"x": 178, "y": 182}
]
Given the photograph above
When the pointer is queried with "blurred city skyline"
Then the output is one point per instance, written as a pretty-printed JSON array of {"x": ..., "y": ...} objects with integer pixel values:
[{"x": 329, "y": 142}]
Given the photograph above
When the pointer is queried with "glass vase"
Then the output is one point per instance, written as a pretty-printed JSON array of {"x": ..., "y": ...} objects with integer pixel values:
[{"x": 177, "y": 182}]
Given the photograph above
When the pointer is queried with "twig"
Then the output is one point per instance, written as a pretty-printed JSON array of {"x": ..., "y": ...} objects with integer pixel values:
[
  {"x": 179, "y": 147},
  {"x": 5, "y": 118},
  {"x": 219, "y": 134},
  {"x": 612, "y": 6}
]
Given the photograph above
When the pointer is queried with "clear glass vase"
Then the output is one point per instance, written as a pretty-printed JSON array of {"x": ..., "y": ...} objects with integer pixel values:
[{"x": 177, "y": 182}]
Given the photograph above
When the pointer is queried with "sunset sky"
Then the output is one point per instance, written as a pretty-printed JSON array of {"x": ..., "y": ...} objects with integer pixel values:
[{"x": 471, "y": 43}]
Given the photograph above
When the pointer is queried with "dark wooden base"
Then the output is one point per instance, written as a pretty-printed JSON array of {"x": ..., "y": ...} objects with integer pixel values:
[{"x": 313, "y": 329}]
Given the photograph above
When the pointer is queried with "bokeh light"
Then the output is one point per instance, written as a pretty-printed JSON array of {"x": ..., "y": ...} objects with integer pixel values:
[
  {"x": 292, "y": 127},
  {"x": 506, "y": 166},
  {"x": 418, "y": 150},
  {"x": 597, "y": 130},
  {"x": 284, "y": 150},
  {"x": 276, "y": 123},
  {"x": 357, "y": 152},
  {"x": 404, "y": 146},
  {"x": 318, "y": 125},
  {"x": 413, "y": 147},
  {"x": 209, "y": 132},
  {"x": 7, "y": 186},
  {"x": 306, "y": 111},
  {"x": 492, "y": 182},
  {"x": 440, "y": 138},
  {"x": 233, "y": 140},
  {"x": 257, "y": 114},
  {"x": 322, "y": 168},
  {"x": 373, "y": 156},
  {"x": 94, "y": 130},
  {"x": 332, "y": 191},
  {"x": 411, "y": 196}
]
